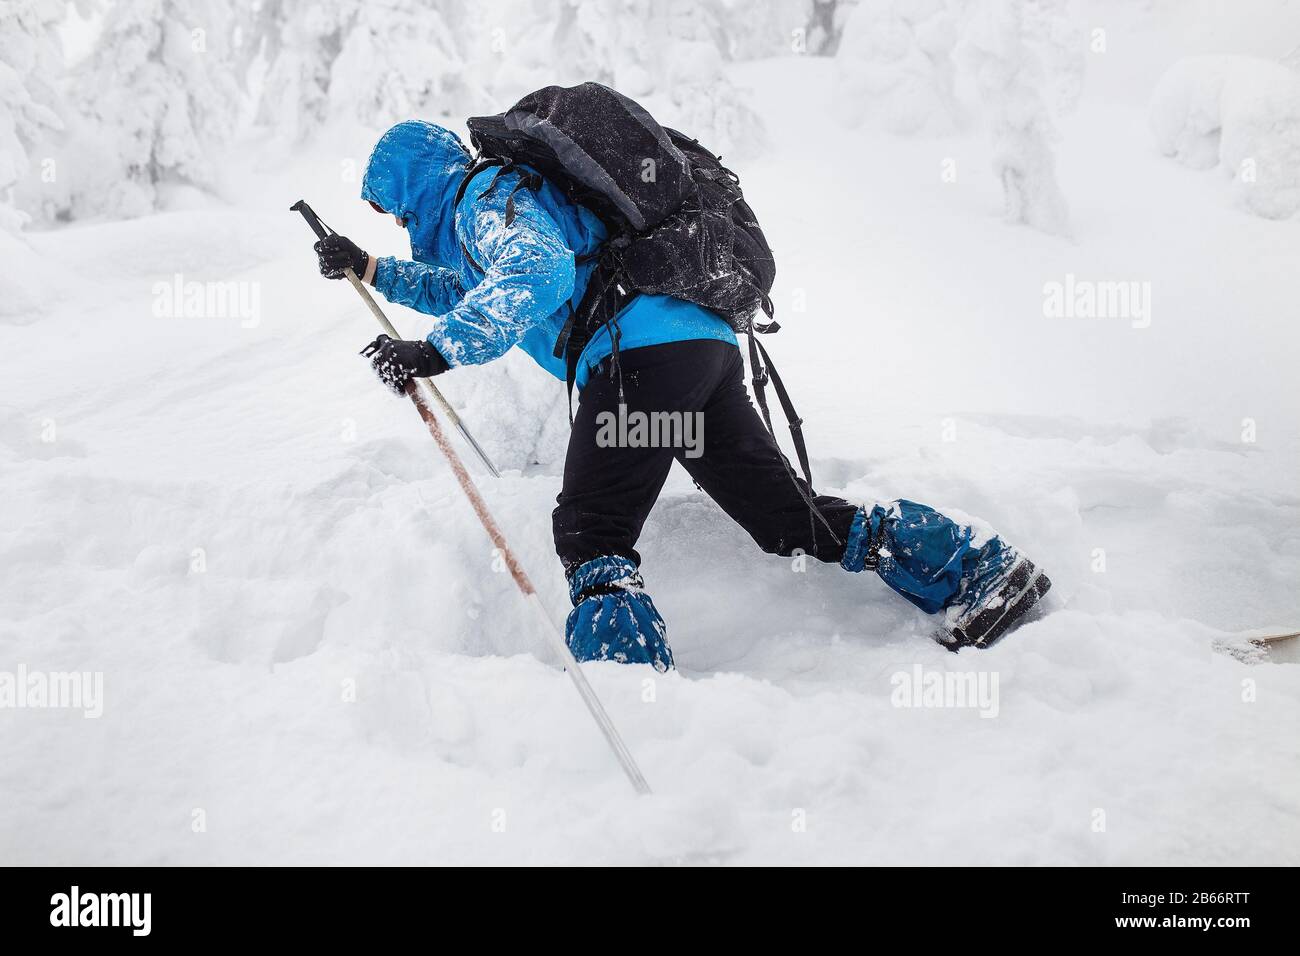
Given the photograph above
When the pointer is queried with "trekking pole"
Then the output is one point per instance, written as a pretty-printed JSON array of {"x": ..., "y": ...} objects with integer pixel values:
[
  {"x": 554, "y": 634},
  {"x": 322, "y": 231}
]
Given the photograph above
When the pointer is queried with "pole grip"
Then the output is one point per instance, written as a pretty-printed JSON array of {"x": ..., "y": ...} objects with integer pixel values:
[
  {"x": 322, "y": 231},
  {"x": 309, "y": 214}
]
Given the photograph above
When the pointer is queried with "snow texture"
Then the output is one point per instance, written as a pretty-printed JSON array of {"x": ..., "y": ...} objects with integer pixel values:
[
  {"x": 902, "y": 64},
  {"x": 1010, "y": 75},
  {"x": 30, "y": 103},
  {"x": 310, "y": 653},
  {"x": 895, "y": 66},
  {"x": 1241, "y": 114}
]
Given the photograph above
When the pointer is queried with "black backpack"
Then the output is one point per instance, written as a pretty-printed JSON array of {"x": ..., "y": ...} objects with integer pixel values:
[{"x": 676, "y": 218}]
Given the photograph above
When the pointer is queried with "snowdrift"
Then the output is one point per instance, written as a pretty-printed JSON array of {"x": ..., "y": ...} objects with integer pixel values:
[{"x": 1241, "y": 114}]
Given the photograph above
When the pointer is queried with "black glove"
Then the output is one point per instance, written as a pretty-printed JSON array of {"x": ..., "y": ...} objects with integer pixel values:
[
  {"x": 337, "y": 253},
  {"x": 397, "y": 361}
]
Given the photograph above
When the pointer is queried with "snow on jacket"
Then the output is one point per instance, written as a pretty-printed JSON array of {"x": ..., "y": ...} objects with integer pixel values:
[{"x": 530, "y": 272}]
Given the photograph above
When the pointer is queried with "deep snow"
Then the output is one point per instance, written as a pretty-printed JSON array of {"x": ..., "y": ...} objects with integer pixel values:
[{"x": 337, "y": 548}]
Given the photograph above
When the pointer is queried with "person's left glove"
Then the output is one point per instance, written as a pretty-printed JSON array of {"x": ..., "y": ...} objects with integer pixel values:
[
  {"x": 397, "y": 361},
  {"x": 337, "y": 253}
]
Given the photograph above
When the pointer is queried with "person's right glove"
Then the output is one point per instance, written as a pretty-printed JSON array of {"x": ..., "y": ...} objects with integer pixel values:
[
  {"x": 397, "y": 361},
  {"x": 337, "y": 253}
]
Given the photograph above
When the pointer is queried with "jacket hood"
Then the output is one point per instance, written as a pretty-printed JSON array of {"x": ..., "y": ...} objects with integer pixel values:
[{"x": 413, "y": 173}]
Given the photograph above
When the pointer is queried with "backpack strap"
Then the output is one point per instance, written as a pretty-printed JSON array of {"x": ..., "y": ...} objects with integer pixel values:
[
  {"x": 563, "y": 345},
  {"x": 476, "y": 167},
  {"x": 762, "y": 372},
  {"x": 771, "y": 325},
  {"x": 527, "y": 180},
  {"x": 605, "y": 297},
  {"x": 787, "y": 406}
]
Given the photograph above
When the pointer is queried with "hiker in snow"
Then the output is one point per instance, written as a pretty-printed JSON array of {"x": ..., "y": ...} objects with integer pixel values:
[{"x": 504, "y": 255}]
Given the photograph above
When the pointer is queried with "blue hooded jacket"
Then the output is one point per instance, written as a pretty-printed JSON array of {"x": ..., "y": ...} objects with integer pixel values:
[{"x": 531, "y": 268}]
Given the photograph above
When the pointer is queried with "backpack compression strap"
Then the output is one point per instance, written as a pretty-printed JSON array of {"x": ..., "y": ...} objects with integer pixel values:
[
  {"x": 605, "y": 297},
  {"x": 762, "y": 372}
]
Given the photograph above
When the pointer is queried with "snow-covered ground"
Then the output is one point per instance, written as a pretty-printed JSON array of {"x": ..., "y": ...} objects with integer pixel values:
[{"x": 302, "y": 634}]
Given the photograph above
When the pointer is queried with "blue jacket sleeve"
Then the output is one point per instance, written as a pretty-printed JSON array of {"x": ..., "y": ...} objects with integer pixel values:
[
  {"x": 425, "y": 288},
  {"x": 529, "y": 274}
]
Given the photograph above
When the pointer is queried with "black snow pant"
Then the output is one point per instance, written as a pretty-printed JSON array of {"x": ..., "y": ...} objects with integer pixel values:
[{"x": 609, "y": 489}]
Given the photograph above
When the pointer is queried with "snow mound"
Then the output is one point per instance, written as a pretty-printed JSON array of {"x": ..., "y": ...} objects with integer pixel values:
[
  {"x": 304, "y": 634},
  {"x": 894, "y": 67},
  {"x": 1240, "y": 113}
]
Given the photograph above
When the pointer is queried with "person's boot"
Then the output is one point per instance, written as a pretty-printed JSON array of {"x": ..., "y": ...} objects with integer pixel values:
[
  {"x": 994, "y": 601},
  {"x": 613, "y": 619},
  {"x": 934, "y": 562}
]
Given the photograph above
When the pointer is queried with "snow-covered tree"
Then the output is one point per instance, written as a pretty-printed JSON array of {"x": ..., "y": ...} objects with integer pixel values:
[
  {"x": 397, "y": 59},
  {"x": 825, "y": 26},
  {"x": 901, "y": 66},
  {"x": 298, "y": 42},
  {"x": 895, "y": 66},
  {"x": 1054, "y": 32},
  {"x": 160, "y": 96},
  {"x": 508, "y": 47},
  {"x": 387, "y": 60},
  {"x": 1010, "y": 78},
  {"x": 669, "y": 53},
  {"x": 374, "y": 63},
  {"x": 170, "y": 84},
  {"x": 1241, "y": 114},
  {"x": 31, "y": 64}
]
